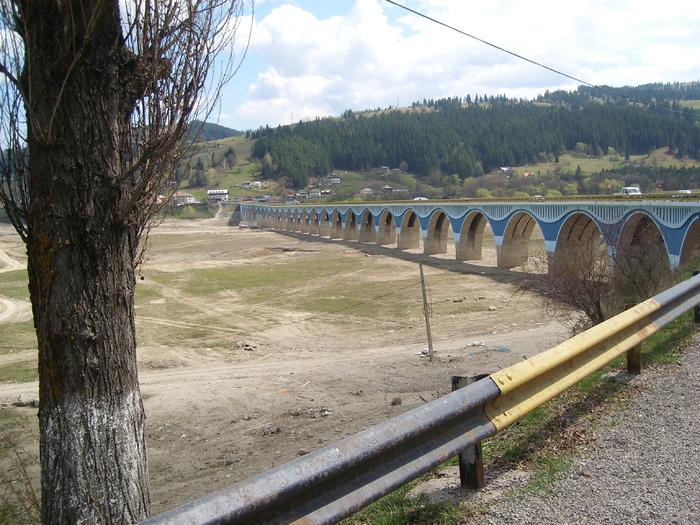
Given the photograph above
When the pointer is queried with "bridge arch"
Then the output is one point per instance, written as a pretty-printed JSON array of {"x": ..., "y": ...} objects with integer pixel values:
[
  {"x": 387, "y": 229},
  {"x": 514, "y": 249},
  {"x": 578, "y": 235},
  {"x": 350, "y": 231},
  {"x": 408, "y": 236},
  {"x": 368, "y": 233},
  {"x": 439, "y": 228},
  {"x": 641, "y": 258},
  {"x": 691, "y": 243},
  {"x": 471, "y": 238}
]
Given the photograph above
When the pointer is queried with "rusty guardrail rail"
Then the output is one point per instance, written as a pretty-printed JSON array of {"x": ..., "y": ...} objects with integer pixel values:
[{"x": 340, "y": 479}]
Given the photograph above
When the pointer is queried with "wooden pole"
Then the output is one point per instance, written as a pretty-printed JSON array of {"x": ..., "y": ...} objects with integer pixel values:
[{"x": 426, "y": 311}]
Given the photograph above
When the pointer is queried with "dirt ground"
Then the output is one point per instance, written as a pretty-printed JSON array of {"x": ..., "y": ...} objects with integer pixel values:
[{"x": 240, "y": 379}]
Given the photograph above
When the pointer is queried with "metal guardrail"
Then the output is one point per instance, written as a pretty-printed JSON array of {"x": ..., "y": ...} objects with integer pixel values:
[{"x": 338, "y": 480}]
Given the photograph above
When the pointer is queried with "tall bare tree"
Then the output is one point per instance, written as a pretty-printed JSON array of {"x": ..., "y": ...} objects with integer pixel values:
[{"x": 97, "y": 97}]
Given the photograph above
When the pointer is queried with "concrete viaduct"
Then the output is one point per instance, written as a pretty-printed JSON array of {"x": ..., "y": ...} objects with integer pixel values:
[{"x": 565, "y": 224}]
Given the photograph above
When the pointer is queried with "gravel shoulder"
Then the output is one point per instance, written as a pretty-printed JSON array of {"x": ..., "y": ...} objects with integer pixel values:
[{"x": 641, "y": 466}]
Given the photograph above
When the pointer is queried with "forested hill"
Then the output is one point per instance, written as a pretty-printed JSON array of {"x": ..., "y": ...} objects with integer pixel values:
[
  {"x": 669, "y": 95},
  {"x": 469, "y": 137},
  {"x": 209, "y": 131}
]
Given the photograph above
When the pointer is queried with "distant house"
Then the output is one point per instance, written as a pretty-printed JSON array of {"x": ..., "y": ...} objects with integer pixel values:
[
  {"x": 181, "y": 198},
  {"x": 366, "y": 191},
  {"x": 274, "y": 199},
  {"x": 387, "y": 189},
  {"x": 314, "y": 193},
  {"x": 333, "y": 179},
  {"x": 251, "y": 184},
  {"x": 217, "y": 195}
]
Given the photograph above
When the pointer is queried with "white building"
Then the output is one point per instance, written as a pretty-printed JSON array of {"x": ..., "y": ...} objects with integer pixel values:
[{"x": 217, "y": 195}]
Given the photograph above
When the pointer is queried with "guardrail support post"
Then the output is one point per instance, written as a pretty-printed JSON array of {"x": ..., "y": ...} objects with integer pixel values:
[
  {"x": 471, "y": 460},
  {"x": 697, "y": 308},
  {"x": 634, "y": 356}
]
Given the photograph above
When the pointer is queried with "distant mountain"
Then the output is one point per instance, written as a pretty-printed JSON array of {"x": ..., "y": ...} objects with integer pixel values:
[{"x": 213, "y": 131}]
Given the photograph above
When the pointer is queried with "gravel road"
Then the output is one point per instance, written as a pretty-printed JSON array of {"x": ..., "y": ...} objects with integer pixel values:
[{"x": 643, "y": 467}]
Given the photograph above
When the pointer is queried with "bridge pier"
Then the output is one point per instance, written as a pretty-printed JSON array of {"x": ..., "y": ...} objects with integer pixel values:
[
  {"x": 408, "y": 235},
  {"x": 468, "y": 246},
  {"x": 386, "y": 230},
  {"x": 337, "y": 226},
  {"x": 350, "y": 232},
  {"x": 368, "y": 232},
  {"x": 435, "y": 238}
]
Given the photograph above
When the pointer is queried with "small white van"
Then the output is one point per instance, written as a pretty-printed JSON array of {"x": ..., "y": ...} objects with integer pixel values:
[{"x": 630, "y": 190}]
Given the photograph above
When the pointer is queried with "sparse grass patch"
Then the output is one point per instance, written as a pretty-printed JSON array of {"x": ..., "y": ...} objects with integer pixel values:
[
  {"x": 548, "y": 469},
  {"x": 21, "y": 372},
  {"x": 400, "y": 508},
  {"x": 664, "y": 346},
  {"x": 17, "y": 336},
  {"x": 14, "y": 284}
]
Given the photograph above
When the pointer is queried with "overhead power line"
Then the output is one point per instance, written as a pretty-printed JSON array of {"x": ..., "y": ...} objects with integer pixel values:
[{"x": 431, "y": 19}]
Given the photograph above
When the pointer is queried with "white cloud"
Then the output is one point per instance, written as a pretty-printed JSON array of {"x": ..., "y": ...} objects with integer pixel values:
[{"x": 360, "y": 60}]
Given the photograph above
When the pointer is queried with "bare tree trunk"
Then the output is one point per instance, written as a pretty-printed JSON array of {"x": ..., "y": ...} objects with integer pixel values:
[{"x": 81, "y": 253}]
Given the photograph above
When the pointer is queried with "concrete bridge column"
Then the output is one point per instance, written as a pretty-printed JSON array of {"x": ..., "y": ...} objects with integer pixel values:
[
  {"x": 304, "y": 226},
  {"x": 408, "y": 235},
  {"x": 337, "y": 226},
  {"x": 324, "y": 227},
  {"x": 514, "y": 253},
  {"x": 435, "y": 239},
  {"x": 368, "y": 233},
  {"x": 471, "y": 239},
  {"x": 350, "y": 230},
  {"x": 515, "y": 242},
  {"x": 313, "y": 224},
  {"x": 296, "y": 221},
  {"x": 386, "y": 229}
]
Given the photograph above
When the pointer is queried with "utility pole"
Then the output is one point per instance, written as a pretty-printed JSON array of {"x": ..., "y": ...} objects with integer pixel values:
[{"x": 426, "y": 311}]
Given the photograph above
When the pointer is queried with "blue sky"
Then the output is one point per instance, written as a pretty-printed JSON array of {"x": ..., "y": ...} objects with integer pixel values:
[{"x": 312, "y": 58}]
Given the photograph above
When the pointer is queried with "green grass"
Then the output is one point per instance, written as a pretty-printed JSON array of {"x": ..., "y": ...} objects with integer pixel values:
[
  {"x": 20, "y": 372},
  {"x": 399, "y": 508},
  {"x": 14, "y": 285},
  {"x": 279, "y": 279},
  {"x": 694, "y": 104},
  {"x": 17, "y": 336},
  {"x": 593, "y": 165}
]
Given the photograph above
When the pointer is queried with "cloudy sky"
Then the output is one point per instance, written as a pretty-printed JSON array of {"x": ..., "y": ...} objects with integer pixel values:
[{"x": 311, "y": 58}]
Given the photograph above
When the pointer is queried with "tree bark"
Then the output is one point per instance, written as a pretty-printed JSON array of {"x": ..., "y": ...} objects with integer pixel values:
[{"x": 81, "y": 256}]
